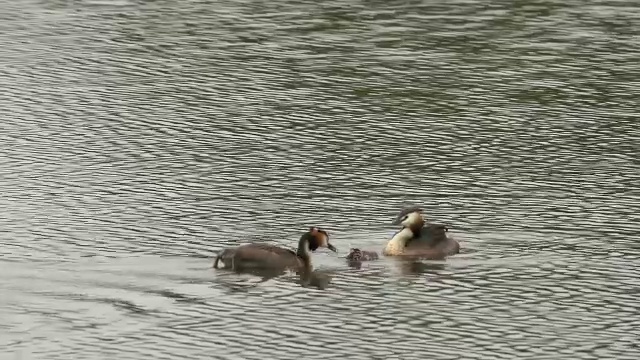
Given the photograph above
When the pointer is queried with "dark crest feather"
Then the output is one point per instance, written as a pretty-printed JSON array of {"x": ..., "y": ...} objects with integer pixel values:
[
  {"x": 409, "y": 210},
  {"x": 406, "y": 211}
]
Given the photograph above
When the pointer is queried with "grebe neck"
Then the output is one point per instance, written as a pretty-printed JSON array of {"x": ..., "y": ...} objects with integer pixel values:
[
  {"x": 396, "y": 245},
  {"x": 303, "y": 250}
]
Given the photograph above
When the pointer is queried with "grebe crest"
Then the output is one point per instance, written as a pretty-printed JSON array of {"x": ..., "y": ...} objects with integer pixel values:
[{"x": 410, "y": 218}]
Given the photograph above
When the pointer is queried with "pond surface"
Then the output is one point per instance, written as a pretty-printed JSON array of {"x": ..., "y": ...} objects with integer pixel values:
[{"x": 138, "y": 138}]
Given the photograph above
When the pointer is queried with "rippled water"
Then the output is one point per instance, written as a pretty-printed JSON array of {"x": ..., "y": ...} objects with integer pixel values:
[{"x": 140, "y": 137}]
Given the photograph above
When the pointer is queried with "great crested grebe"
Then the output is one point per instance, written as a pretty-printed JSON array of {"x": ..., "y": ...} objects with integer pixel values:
[
  {"x": 256, "y": 256},
  {"x": 416, "y": 239}
]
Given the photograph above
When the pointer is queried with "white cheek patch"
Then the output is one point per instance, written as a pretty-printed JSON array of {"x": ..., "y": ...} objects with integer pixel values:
[{"x": 413, "y": 218}]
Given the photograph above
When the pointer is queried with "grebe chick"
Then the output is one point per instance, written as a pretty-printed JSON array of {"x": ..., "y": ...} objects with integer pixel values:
[
  {"x": 357, "y": 256},
  {"x": 265, "y": 256}
]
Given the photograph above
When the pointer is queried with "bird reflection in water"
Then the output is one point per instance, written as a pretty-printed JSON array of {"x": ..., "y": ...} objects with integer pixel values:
[
  {"x": 315, "y": 279},
  {"x": 307, "y": 278},
  {"x": 415, "y": 267},
  {"x": 408, "y": 265}
]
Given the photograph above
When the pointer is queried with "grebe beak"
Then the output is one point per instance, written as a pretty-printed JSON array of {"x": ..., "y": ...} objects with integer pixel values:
[{"x": 399, "y": 220}]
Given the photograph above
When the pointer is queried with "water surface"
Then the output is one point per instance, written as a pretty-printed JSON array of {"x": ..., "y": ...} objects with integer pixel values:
[{"x": 139, "y": 138}]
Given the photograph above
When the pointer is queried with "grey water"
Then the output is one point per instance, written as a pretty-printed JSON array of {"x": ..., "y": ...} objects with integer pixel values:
[{"x": 138, "y": 138}]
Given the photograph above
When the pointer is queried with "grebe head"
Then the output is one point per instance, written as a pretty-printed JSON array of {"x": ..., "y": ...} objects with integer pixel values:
[
  {"x": 355, "y": 254},
  {"x": 410, "y": 218},
  {"x": 319, "y": 238}
]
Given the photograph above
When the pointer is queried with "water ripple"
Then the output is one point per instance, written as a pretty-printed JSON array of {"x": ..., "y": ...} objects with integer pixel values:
[{"x": 142, "y": 137}]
